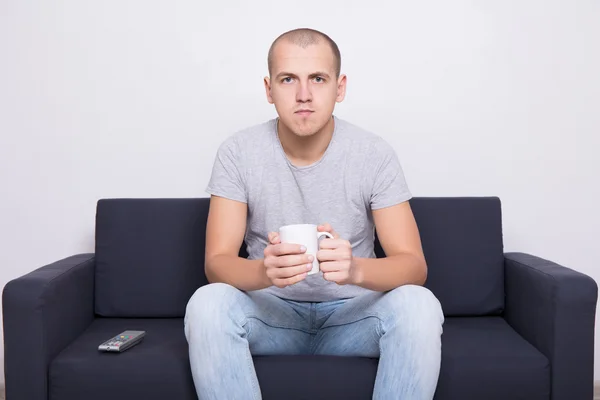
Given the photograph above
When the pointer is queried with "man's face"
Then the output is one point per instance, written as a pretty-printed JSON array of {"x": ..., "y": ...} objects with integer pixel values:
[{"x": 303, "y": 86}]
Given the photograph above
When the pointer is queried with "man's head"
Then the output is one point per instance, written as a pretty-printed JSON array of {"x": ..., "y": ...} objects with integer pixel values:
[{"x": 304, "y": 80}]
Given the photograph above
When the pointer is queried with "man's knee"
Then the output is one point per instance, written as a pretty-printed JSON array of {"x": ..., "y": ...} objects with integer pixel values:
[
  {"x": 416, "y": 306},
  {"x": 210, "y": 305}
]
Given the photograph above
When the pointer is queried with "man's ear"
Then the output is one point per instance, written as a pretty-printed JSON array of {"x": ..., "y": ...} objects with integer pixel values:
[
  {"x": 341, "y": 88},
  {"x": 268, "y": 89}
]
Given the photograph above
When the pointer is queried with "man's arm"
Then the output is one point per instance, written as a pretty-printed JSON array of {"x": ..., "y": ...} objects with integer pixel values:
[
  {"x": 399, "y": 237},
  {"x": 284, "y": 264},
  {"x": 404, "y": 262},
  {"x": 225, "y": 230}
]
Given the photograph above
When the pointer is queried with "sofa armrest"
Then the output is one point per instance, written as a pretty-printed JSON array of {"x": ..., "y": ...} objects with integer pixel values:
[
  {"x": 44, "y": 311},
  {"x": 554, "y": 308}
]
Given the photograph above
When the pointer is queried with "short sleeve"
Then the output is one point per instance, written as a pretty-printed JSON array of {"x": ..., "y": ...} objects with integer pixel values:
[
  {"x": 389, "y": 184},
  {"x": 228, "y": 177}
]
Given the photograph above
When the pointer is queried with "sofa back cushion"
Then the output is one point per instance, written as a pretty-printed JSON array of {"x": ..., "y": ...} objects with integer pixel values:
[
  {"x": 150, "y": 254},
  {"x": 462, "y": 242}
]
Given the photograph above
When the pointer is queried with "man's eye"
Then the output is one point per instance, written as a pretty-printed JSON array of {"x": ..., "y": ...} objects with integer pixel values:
[
  {"x": 287, "y": 80},
  {"x": 318, "y": 79}
]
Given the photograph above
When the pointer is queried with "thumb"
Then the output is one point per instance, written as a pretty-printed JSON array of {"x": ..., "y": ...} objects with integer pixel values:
[
  {"x": 327, "y": 228},
  {"x": 274, "y": 238}
]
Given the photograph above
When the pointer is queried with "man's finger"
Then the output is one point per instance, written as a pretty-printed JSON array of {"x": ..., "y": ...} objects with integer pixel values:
[
  {"x": 283, "y": 249},
  {"x": 330, "y": 266},
  {"x": 336, "y": 276},
  {"x": 274, "y": 238},
  {"x": 333, "y": 243},
  {"x": 291, "y": 260},
  {"x": 326, "y": 227},
  {"x": 289, "y": 272},
  {"x": 326, "y": 255},
  {"x": 289, "y": 281}
]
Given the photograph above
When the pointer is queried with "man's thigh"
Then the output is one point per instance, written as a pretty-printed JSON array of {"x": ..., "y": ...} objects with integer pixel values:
[
  {"x": 352, "y": 328},
  {"x": 355, "y": 327},
  {"x": 218, "y": 313},
  {"x": 277, "y": 327}
]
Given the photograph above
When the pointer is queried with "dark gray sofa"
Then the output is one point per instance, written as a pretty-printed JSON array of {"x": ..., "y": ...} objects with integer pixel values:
[{"x": 517, "y": 326}]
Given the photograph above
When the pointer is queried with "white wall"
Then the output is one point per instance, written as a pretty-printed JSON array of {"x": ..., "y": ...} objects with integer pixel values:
[{"x": 132, "y": 98}]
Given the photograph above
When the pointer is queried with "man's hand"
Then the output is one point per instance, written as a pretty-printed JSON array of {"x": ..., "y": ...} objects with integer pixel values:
[
  {"x": 285, "y": 263},
  {"x": 335, "y": 258}
]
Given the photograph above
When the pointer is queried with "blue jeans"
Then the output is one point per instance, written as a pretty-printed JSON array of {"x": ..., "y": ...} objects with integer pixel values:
[{"x": 224, "y": 327}]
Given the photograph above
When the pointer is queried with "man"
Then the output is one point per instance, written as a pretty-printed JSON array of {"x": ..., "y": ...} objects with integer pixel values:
[{"x": 308, "y": 166}]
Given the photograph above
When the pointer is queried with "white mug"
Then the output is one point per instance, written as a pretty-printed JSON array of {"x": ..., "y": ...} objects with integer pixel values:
[{"x": 307, "y": 236}]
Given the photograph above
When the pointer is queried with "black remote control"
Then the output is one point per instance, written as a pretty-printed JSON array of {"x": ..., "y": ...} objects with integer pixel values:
[{"x": 123, "y": 341}]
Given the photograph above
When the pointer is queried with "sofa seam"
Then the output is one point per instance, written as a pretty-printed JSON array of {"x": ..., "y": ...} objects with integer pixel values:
[
  {"x": 43, "y": 327},
  {"x": 553, "y": 305}
]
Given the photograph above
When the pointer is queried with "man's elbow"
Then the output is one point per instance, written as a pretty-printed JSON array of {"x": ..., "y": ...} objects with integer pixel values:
[
  {"x": 209, "y": 269},
  {"x": 421, "y": 272}
]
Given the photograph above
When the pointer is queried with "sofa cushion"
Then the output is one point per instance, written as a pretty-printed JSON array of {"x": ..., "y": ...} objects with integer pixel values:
[
  {"x": 462, "y": 242},
  {"x": 149, "y": 256},
  {"x": 482, "y": 358},
  {"x": 156, "y": 368},
  {"x": 316, "y": 377}
]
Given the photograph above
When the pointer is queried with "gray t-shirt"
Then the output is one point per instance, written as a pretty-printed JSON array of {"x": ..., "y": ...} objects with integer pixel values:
[{"x": 359, "y": 172}]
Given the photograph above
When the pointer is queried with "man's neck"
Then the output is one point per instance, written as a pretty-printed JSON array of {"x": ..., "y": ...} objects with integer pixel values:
[{"x": 303, "y": 151}]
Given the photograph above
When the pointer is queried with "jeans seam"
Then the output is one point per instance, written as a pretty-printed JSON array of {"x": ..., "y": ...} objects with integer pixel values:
[
  {"x": 313, "y": 342},
  {"x": 243, "y": 324},
  {"x": 278, "y": 326},
  {"x": 249, "y": 360},
  {"x": 378, "y": 329},
  {"x": 255, "y": 387},
  {"x": 358, "y": 320}
]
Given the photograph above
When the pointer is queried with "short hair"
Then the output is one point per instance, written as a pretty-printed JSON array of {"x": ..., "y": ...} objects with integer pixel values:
[{"x": 305, "y": 37}]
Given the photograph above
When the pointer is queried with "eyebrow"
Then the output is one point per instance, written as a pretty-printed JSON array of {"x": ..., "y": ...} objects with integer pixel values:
[{"x": 313, "y": 75}]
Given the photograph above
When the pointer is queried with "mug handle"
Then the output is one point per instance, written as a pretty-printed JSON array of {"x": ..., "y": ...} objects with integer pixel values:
[{"x": 320, "y": 234}]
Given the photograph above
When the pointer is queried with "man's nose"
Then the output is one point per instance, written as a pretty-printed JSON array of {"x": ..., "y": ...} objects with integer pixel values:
[{"x": 303, "y": 93}]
